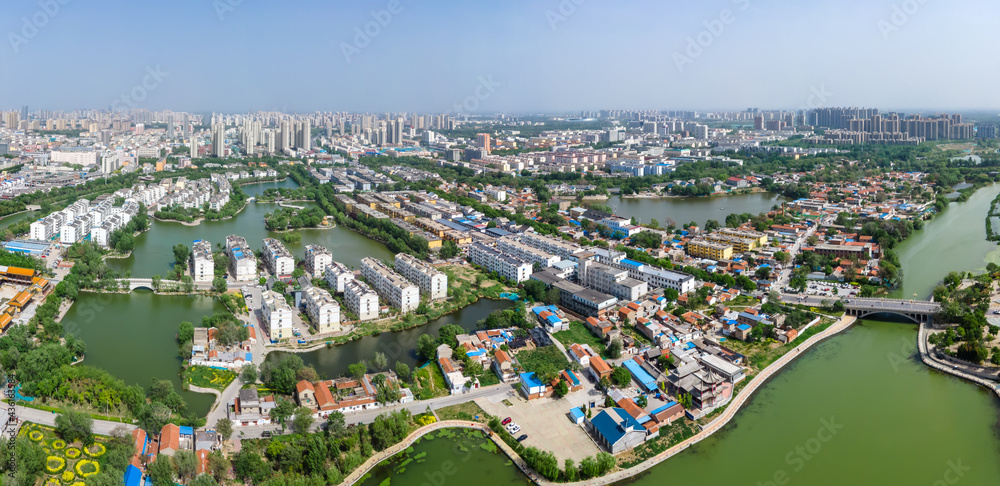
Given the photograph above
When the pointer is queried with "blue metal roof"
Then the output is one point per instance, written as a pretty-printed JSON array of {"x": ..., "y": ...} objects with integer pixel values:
[
  {"x": 643, "y": 377},
  {"x": 743, "y": 327},
  {"x": 611, "y": 428},
  {"x": 576, "y": 413},
  {"x": 631, "y": 263},
  {"x": 660, "y": 409},
  {"x": 573, "y": 378},
  {"x": 133, "y": 476},
  {"x": 186, "y": 430},
  {"x": 531, "y": 380}
]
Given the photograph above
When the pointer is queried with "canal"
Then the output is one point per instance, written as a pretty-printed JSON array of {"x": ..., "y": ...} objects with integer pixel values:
[
  {"x": 397, "y": 346},
  {"x": 896, "y": 420},
  {"x": 153, "y": 254},
  {"x": 134, "y": 336},
  {"x": 17, "y": 218},
  {"x": 684, "y": 210}
]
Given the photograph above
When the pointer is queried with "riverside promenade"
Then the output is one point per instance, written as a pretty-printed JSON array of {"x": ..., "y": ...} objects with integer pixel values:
[
  {"x": 930, "y": 360},
  {"x": 714, "y": 426}
]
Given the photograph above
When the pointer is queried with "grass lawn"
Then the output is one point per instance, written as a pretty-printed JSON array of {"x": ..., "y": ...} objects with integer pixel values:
[
  {"x": 463, "y": 411},
  {"x": 428, "y": 382},
  {"x": 206, "y": 377},
  {"x": 579, "y": 334},
  {"x": 543, "y": 361}
]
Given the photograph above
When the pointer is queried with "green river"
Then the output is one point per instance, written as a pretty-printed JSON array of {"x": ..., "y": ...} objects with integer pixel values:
[{"x": 895, "y": 420}]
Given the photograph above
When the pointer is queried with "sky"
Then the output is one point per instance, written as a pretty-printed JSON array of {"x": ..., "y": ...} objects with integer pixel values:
[{"x": 516, "y": 56}]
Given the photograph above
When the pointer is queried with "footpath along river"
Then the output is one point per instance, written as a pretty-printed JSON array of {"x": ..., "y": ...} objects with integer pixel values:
[{"x": 859, "y": 408}]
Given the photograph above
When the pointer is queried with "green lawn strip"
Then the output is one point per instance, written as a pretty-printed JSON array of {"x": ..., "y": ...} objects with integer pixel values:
[{"x": 578, "y": 333}]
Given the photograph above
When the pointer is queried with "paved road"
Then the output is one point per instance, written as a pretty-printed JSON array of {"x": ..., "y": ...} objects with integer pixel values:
[
  {"x": 101, "y": 427},
  {"x": 368, "y": 416},
  {"x": 893, "y": 305}
]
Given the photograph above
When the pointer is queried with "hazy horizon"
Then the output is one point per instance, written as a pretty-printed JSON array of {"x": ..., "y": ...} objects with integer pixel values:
[{"x": 521, "y": 56}]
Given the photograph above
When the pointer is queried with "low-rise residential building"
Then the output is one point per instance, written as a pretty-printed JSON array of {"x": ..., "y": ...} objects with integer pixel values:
[
  {"x": 277, "y": 258},
  {"x": 528, "y": 253},
  {"x": 322, "y": 309},
  {"x": 395, "y": 289},
  {"x": 615, "y": 430},
  {"x": 202, "y": 264},
  {"x": 432, "y": 282},
  {"x": 701, "y": 248},
  {"x": 318, "y": 258},
  {"x": 277, "y": 315},
  {"x": 503, "y": 264},
  {"x": 242, "y": 261},
  {"x": 337, "y": 275},
  {"x": 361, "y": 300}
]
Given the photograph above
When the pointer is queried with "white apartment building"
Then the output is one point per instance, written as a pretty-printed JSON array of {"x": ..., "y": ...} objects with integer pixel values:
[
  {"x": 317, "y": 259},
  {"x": 611, "y": 280},
  {"x": 337, "y": 275},
  {"x": 430, "y": 281},
  {"x": 361, "y": 300},
  {"x": 548, "y": 244},
  {"x": 75, "y": 231},
  {"x": 277, "y": 258},
  {"x": 242, "y": 261},
  {"x": 322, "y": 309},
  {"x": 202, "y": 264},
  {"x": 494, "y": 260},
  {"x": 526, "y": 252},
  {"x": 277, "y": 316},
  {"x": 47, "y": 227},
  {"x": 398, "y": 291}
]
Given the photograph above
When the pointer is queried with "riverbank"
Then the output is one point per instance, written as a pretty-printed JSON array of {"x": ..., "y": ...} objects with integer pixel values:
[
  {"x": 714, "y": 426},
  {"x": 930, "y": 360}
]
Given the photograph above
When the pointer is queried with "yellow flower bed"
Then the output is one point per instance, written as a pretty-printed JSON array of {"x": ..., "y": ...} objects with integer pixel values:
[
  {"x": 86, "y": 468},
  {"x": 98, "y": 453},
  {"x": 55, "y": 464},
  {"x": 58, "y": 444},
  {"x": 52, "y": 482},
  {"x": 36, "y": 435},
  {"x": 68, "y": 476},
  {"x": 78, "y": 483},
  {"x": 72, "y": 453}
]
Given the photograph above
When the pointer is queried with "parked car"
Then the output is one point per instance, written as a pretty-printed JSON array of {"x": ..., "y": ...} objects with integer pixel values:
[
  {"x": 515, "y": 430},
  {"x": 506, "y": 421},
  {"x": 522, "y": 437},
  {"x": 266, "y": 434}
]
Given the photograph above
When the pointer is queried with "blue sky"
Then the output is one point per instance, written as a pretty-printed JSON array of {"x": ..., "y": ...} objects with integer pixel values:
[{"x": 542, "y": 55}]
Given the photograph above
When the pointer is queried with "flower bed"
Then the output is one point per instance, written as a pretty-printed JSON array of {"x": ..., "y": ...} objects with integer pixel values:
[
  {"x": 96, "y": 450},
  {"x": 72, "y": 453},
  {"x": 86, "y": 468},
  {"x": 55, "y": 464}
]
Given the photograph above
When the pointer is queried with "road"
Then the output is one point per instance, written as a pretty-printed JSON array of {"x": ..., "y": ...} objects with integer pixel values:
[
  {"x": 101, "y": 427},
  {"x": 368, "y": 416}
]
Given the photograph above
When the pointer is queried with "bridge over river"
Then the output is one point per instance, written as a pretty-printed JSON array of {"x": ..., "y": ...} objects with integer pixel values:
[{"x": 919, "y": 311}]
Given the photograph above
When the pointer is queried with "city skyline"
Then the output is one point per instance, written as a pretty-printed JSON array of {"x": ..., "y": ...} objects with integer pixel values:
[{"x": 550, "y": 56}]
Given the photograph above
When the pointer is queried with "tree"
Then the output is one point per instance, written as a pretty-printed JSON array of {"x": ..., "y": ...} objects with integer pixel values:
[
  {"x": 621, "y": 377},
  {"x": 224, "y": 427},
  {"x": 156, "y": 282},
  {"x": 188, "y": 283},
  {"x": 552, "y": 296},
  {"x": 185, "y": 332},
  {"x": 671, "y": 294},
  {"x": 336, "y": 423},
  {"x": 303, "y": 420},
  {"x": 248, "y": 374},
  {"x": 73, "y": 426},
  {"x": 186, "y": 463},
  {"x": 642, "y": 401},
  {"x": 403, "y": 371},
  {"x": 220, "y": 284},
  {"x": 181, "y": 254},
  {"x": 204, "y": 479},
  {"x": 161, "y": 471},
  {"x": 357, "y": 370},
  {"x": 561, "y": 389},
  {"x": 427, "y": 347},
  {"x": 248, "y": 465},
  {"x": 284, "y": 409},
  {"x": 615, "y": 349},
  {"x": 380, "y": 361},
  {"x": 218, "y": 465}
]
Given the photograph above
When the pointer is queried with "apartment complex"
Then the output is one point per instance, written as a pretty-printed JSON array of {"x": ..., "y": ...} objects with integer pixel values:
[
  {"x": 317, "y": 259},
  {"x": 503, "y": 264},
  {"x": 708, "y": 249},
  {"x": 337, "y": 275},
  {"x": 277, "y": 258},
  {"x": 322, "y": 309},
  {"x": 202, "y": 264},
  {"x": 432, "y": 283},
  {"x": 528, "y": 253},
  {"x": 361, "y": 300},
  {"x": 611, "y": 280},
  {"x": 242, "y": 262},
  {"x": 277, "y": 316},
  {"x": 555, "y": 246},
  {"x": 398, "y": 291}
]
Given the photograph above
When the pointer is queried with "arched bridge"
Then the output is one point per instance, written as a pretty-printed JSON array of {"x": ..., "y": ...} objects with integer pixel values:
[
  {"x": 147, "y": 283},
  {"x": 919, "y": 311}
]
